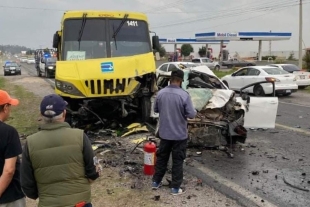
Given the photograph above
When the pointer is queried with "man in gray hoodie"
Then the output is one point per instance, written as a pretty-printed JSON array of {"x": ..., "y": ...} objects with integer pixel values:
[{"x": 174, "y": 106}]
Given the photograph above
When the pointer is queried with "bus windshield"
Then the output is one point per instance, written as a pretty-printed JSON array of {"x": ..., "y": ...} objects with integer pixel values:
[{"x": 97, "y": 39}]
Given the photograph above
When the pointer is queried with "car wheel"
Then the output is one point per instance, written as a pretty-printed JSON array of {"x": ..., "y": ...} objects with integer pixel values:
[
  {"x": 5, "y": 74},
  {"x": 39, "y": 73},
  {"x": 226, "y": 84},
  {"x": 47, "y": 74},
  {"x": 302, "y": 87},
  {"x": 145, "y": 109},
  {"x": 217, "y": 67},
  {"x": 259, "y": 91}
]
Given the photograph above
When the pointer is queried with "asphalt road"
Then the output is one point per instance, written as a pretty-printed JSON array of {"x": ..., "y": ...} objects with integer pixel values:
[{"x": 276, "y": 154}]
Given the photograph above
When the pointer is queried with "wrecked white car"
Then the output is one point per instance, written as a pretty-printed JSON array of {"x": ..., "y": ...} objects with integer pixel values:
[{"x": 222, "y": 116}]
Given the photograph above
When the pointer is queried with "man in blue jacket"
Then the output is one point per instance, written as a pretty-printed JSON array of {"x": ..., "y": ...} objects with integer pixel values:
[{"x": 174, "y": 106}]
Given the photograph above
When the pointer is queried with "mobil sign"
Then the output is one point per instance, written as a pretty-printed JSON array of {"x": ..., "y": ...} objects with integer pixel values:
[{"x": 226, "y": 34}]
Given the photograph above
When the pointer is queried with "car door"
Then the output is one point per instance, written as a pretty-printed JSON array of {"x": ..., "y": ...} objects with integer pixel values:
[
  {"x": 172, "y": 67},
  {"x": 236, "y": 81},
  {"x": 252, "y": 77},
  {"x": 163, "y": 69},
  {"x": 261, "y": 113}
]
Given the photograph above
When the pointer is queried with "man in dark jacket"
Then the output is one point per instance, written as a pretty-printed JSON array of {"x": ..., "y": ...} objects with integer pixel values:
[
  {"x": 58, "y": 161},
  {"x": 11, "y": 194},
  {"x": 174, "y": 106}
]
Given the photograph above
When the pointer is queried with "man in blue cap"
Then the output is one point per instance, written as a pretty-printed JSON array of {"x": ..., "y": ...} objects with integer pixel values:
[{"x": 57, "y": 161}]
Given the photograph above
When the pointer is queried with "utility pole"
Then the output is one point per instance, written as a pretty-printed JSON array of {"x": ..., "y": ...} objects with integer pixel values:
[
  {"x": 270, "y": 46},
  {"x": 300, "y": 35}
]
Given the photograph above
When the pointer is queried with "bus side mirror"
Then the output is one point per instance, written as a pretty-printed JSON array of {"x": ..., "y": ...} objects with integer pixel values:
[
  {"x": 56, "y": 40},
  {"x": 155, "y": 42}
]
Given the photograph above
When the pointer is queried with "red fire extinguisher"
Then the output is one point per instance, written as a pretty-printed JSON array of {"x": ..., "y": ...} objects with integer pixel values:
[{"x": 149, "y": 158}]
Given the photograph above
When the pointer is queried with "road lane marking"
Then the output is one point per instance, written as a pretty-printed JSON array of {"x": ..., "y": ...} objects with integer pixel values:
[
  {"x": 237, "y": 188},
  {"x": 293, "y": 129},
  {"x": 294, "y": 104}
]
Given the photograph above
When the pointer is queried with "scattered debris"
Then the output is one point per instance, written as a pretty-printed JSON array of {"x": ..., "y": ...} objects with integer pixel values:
[
  {"x": 303, "y": 174},
  {"x": 156, "y": 198},
  {"x": 255, "y": 172},
  {"x": 297, "y": 126},
  {"x": 294, "y": 186},
  {"x": 285, "y": 158},
  {"x": 265, "y": 171}
]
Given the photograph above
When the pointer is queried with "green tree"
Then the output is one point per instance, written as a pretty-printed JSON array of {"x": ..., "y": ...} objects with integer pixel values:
[
  {"x": 202, "y": 51},
  {"x": 186, "y": 49},
  {"x": 162, "y": 51},
  {"x": 291, "y": 56},
  {"x": 306, "y": 58}
]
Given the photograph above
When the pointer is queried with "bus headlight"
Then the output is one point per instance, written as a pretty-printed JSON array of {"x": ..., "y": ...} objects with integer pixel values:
[{"x": 68, "y": 88}]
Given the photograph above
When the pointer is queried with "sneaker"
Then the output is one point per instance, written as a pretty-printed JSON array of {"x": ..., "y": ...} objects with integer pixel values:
[
  {"x": 156, "y": 185},
  {"x": 177, "y": 191}
]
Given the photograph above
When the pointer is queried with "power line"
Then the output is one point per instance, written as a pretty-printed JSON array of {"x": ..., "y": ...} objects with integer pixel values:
[
  {"x": 210, "y": 17},
  {"x": 232, "y": 22},
  {"x": 169, "y": 5},
  {"x": 238, "y": 11}
]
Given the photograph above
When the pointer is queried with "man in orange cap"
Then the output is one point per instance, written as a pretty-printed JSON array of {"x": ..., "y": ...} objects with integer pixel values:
[{"x": 11, "y": 194}]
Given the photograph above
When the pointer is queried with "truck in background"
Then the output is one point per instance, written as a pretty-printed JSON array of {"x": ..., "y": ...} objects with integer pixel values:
[{"x": 105, "y": 66}]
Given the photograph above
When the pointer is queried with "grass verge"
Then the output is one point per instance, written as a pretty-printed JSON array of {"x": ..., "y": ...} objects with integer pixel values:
[
  {"x": 23, "y": 117},
  {"x": 221, "y": 74}
]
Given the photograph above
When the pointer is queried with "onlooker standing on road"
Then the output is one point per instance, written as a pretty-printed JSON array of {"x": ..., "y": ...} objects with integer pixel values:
[
  {"x": 174, "y": 106},
  {"x": 11, "y": 194},
  {"x": 58, "y": 161}
]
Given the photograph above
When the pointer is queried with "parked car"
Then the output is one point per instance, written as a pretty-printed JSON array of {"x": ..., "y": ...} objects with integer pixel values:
[
  {"x": 220, "y": 112},
  {"x": 11, "y": 68},
  {"x": 213, "y": 65},
  {"x": 285, "y": 83},
  {"x": 303, "y": 77},
  {"x": 30, "y": 61},
  {"x": 23, "y": 59},
  {"x": 236, "y": 63},
  {"x": 166, "y": 68}
]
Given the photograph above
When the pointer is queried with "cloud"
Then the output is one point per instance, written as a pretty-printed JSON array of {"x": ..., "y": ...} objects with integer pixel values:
[{"x": 24, "y": 25}]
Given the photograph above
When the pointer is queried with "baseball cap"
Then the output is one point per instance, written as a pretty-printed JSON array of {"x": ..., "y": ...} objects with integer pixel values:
[
  {"x": 5, "y": 98},
  {"x": 178, "y": 73},
  {"x": 52, "y": 105}
]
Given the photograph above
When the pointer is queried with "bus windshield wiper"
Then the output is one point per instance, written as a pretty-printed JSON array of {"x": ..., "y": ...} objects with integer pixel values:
[
  {"x": 115, "y": 32},
  {"x": 82, "y": 29}
]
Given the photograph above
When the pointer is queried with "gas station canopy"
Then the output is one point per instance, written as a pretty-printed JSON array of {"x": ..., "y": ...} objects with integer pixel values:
[
  {"x": 190, "y": 41},
  {"x": 243, "y": 36}
]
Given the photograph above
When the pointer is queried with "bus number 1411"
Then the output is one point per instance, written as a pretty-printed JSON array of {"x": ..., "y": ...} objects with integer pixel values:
[{"x": 132, "y": 23}]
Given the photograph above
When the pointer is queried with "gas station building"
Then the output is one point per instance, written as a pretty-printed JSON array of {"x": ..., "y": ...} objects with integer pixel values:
[
  {"x": 223, "y": 38},
  {"x": 244, "y": 36},
  {"x": 176, "y": 41}
]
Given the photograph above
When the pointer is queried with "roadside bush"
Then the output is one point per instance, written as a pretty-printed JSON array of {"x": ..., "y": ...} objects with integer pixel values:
[
  {"x": 266, "y": 57},
  {"x": 306, "y": 58}
]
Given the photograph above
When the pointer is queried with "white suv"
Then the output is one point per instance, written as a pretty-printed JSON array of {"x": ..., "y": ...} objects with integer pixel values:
[{"x": 208, "y": 62}]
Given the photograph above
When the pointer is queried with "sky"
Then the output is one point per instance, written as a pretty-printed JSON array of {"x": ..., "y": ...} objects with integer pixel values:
[{"x": 32, "y": 23}]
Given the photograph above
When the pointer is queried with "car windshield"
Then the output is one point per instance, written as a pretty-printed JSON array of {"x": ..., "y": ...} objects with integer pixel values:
[
  {"x": 275, "y": 71},
  {"x": 11, "y": 65},
  {"x": 205, "y": 60},
  {"x": 97, "y": 39},
  {"x": 51, "y": 60},
  {"x": 290, "y": 68}
]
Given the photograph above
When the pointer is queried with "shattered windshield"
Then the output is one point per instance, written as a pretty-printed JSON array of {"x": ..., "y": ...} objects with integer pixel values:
[
  {"x": 97, "y": 40},
  {"x": 275, "y": 71},
  {"x": 194, "y": 79}
]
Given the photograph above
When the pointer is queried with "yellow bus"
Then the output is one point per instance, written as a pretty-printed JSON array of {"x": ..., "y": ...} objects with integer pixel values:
[{"x": 105, "y": 64}]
